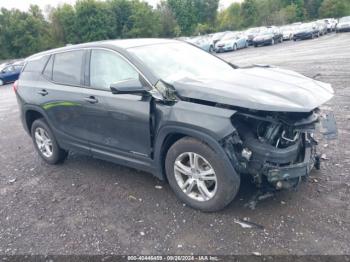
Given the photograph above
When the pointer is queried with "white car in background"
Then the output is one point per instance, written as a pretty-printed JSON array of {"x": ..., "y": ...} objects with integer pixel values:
[
  {"x": 344, "y": 24},
  {"x": 288, "y": 32}
]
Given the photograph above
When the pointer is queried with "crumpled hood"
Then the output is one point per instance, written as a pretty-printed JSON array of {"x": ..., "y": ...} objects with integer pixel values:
[{"x": 259, "y": 88}]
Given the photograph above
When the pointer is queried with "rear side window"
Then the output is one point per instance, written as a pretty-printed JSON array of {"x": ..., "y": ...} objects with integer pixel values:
[
  {"x": 67, "y": 67},
  {"x": 36, "y": 64},
  {"x": 48, "y": 69}
]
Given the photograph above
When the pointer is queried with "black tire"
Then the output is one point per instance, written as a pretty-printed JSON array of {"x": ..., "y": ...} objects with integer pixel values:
[
  {"x": 227, "y": 181},
  {"x": 58, "y": 154}
]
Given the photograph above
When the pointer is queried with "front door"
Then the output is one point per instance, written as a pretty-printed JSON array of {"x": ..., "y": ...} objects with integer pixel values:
[{"x": 116, "y": 124}]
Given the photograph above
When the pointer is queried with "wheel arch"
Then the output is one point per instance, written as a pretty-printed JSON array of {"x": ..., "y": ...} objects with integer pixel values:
[
  {"x": 32, "y": 113},
  {"x": 168, "y": 135}
]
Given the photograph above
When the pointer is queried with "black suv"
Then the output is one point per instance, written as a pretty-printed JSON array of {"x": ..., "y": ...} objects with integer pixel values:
[{"x": 173, "y": 110}]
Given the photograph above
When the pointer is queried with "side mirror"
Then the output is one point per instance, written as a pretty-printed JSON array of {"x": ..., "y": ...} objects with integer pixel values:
[{"x": 129, "y": 86}]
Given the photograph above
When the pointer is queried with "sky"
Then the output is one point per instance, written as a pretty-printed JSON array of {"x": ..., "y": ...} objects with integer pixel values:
[{"x": 24, "y": 4}]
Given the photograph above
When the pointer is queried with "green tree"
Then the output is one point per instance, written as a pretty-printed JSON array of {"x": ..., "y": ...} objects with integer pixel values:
[
  {"x": 230, "y": 18},
  {"x": 249, "y": 12},
  {"x": 144, "y": 21},
  {"x": 63, "y": 25},
  {"x": 94, "y": 21},
  {"x": 334, "y": 8},
  {"x": 167, "y": 21}
]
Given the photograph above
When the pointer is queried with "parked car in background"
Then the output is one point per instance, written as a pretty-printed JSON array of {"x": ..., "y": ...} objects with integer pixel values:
[
  {"x": 331, "y": 24},
  {"x": 9, "y": 72},
  {"x": 343, "y": 24},
  {"x": 306, "y": 31},
  {"x": 203, "y": 42},
  {"x": 251, "y": 33},
  {"x": 322, "y": 26},
  {"x": 218, "y": 36},
  {"x": 231, "y": 42},
  {"x": 268, "y": 36},
  {"x": 287, "y": 32}
]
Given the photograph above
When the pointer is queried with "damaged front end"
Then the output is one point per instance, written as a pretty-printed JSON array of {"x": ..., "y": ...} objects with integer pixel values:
[{"x": 274, "y": 148}]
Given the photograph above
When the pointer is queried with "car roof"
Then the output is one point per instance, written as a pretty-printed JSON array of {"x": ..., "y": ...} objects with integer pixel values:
[{"x": 117, "y": 44}]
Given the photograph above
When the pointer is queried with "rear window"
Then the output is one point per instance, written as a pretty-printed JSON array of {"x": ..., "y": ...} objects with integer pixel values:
[
  {"x": 67, "y": 67},
  {"x": 36, "y": 64}
]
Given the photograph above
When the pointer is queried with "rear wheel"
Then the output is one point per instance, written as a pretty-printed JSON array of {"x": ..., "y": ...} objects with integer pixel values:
[
  {"x": 45, "y": 143},
  {"x": 199, "y": 177}
]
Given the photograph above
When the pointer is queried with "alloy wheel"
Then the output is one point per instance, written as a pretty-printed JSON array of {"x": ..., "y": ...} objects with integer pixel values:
[
  {"x": 195, "y": 176},
  {"x": 43, "y": 142}
]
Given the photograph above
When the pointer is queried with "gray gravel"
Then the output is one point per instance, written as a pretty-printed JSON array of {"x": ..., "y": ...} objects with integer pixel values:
[{"x": 88, "y": 206}]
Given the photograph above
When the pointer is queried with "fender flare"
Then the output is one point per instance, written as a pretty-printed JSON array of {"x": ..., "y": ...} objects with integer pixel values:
[{"x": 164, "y": 132}]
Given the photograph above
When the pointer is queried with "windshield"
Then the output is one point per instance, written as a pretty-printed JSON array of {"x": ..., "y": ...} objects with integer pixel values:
[
  {"x": 345, "y": 19},
  {"x": 229, "y": 36},
  {"x": 174, "y": 61},
  {"x": 2, "y": 66},
  {"x": 305, "y": 27},
  {"x": 253, "y": 31}
]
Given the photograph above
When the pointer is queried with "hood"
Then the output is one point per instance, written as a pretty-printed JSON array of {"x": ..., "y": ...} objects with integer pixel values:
[
  {"x": 259, "y": 88},
  {"x": 224, "y": 42}
]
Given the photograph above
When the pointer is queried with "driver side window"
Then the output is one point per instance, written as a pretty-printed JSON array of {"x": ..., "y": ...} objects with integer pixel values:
[{"x": 107, "y": 67}]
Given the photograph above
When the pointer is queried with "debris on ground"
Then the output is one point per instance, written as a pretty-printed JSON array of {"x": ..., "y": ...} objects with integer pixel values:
[
  {"x": 131, "y": 197},
  {"x": 158, "y": 187},
  {"x": 256, "y": 253},
  {"x": 258, "y": 197},
  {"x": 142, "y": 233},
  {"x": 324, "y": 157},
  {"x": 13, "y": 180},
  {"x": 247, "y": 224}
]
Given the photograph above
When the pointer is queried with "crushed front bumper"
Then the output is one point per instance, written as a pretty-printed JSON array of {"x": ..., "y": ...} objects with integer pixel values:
[{"x": 274, "y": 174}]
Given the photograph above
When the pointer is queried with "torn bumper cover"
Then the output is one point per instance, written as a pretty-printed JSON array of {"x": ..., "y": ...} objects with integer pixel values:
[{"x": 277, "y": 149}]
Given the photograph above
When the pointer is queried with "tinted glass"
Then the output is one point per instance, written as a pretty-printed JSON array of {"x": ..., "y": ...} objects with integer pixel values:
[
  {"x": 107, "y": 67},
  {"x": 48, "y": 69},
  {"x": 36, "y": 64},
  {"x": 67, "y": 68}
]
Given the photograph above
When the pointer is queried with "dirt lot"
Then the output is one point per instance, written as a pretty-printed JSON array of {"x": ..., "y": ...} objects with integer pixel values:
[{"x": 88, "y": 206}]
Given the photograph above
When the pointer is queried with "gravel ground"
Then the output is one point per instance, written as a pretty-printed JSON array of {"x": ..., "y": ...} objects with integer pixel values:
[{"x": 88, "y": 206}]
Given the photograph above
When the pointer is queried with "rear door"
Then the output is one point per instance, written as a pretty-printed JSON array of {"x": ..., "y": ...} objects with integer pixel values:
[{"x": 62, "y": 96}]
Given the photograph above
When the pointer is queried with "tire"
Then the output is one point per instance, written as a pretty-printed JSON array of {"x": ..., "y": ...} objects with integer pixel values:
[
  {"x": 211, "y": 49},
  {"x": 57, "y": 155},
  {"x": 222, "y": 191},
  {"x": 1, "y": 82},
  {"x": 235, "y": 47}
]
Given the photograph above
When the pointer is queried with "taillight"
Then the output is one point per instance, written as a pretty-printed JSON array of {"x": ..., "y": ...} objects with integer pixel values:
[{"x": 15, "y": 86}]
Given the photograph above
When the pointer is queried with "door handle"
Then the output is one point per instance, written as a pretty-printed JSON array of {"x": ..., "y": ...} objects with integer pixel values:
[
  {"x": 43, "y": 92},
  {"x": 91, "y": 99}
]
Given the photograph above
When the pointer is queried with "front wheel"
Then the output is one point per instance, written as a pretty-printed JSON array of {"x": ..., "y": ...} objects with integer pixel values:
[
  {"x": 234, "y": 47},
  {"x": 199, "y": 177},
  {"x": 45, "y": 143}
]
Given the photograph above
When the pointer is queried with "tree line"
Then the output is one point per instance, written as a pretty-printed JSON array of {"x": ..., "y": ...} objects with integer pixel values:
[{"x": 25, "y": 33}]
